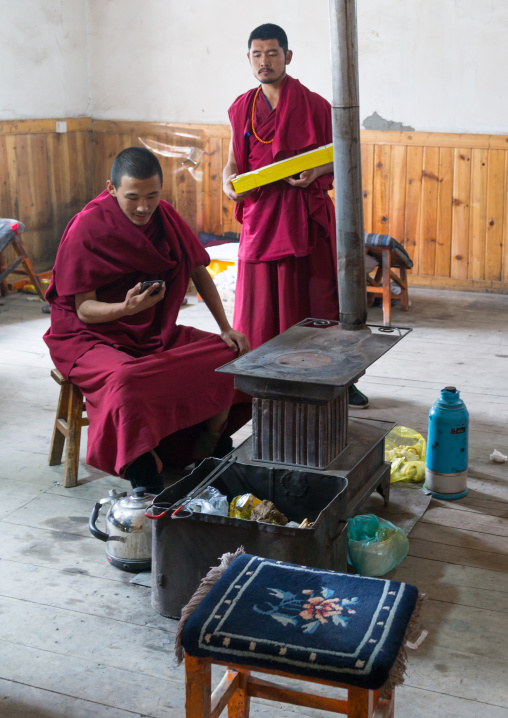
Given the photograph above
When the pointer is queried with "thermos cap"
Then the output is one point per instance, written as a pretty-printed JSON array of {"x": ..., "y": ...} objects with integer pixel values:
[{"x": 452, "y": 389}]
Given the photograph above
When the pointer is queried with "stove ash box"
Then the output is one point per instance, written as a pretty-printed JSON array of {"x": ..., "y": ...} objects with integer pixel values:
[{"x": 185, "y": 549}]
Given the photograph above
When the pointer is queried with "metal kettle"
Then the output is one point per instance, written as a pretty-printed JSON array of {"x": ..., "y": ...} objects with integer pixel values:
[{"x": 128, "y": 533}]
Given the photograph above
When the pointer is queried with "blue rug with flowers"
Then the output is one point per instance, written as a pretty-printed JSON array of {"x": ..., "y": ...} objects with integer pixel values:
[{"x": 306, "y": 621}]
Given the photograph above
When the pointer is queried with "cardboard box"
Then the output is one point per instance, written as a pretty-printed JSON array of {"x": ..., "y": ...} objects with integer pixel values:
[{"x": 284, "y": 168}]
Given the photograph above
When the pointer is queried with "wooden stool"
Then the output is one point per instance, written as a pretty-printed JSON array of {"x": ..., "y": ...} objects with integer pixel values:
[
  {"x": 68, "y": 423},
  {"x": 9, "y": 235},
  {"x": 282, "y": 619},
  {"x": 391, "y": 255}
]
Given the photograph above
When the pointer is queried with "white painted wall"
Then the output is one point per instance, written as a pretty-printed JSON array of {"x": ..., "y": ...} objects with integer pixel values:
[
  {"x": 433, "y": 65},
  {"x": 43, "y": 59}
]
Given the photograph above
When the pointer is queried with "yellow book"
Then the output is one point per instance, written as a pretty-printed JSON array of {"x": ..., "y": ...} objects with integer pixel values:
[{"x": 284, "y": 168}]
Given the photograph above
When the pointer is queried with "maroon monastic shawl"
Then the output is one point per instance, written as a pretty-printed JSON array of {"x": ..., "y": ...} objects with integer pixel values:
[
  {"x": 103, "y": 251},
  {"x": 279, "y": 220}
]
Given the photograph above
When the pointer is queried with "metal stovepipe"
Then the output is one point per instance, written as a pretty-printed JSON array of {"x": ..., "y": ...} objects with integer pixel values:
[{"x": 347, "y": 164}]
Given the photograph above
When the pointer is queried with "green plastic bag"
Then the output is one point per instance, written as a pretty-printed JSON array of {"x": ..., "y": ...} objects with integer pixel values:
[
  {"x": 375, "y": 545},
  {"x": 405, "y": 449}
]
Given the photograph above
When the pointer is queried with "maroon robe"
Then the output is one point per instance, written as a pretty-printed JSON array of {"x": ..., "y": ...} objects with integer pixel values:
[
  {"x": 144, "y": 377},
  {"x": 287, "y": 266}
]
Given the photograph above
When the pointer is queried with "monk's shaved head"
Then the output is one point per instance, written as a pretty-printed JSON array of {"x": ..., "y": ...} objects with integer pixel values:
[
  {"x": 269, "y": 31},
  {"x": 136, "y": 162}
]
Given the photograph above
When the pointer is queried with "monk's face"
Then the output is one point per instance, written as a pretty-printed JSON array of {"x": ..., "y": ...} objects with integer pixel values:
[
  {"x": 137, "y": 198},
  {"x": 268, "y": 61}
]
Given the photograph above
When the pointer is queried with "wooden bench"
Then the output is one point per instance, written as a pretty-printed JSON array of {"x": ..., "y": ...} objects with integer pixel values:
[
  {"x": 391, "y": 256},
  {"x": 68, "y": 424},
  {"x": 277, "y": 618}
]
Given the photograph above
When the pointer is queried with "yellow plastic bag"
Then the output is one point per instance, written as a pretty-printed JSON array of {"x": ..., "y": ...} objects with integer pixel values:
[
  {"x": 241, "y": 506},
  {"x": 405, "y": 448}
]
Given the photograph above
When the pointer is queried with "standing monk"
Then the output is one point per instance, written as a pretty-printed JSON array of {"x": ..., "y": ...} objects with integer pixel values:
[
  {"x": 143, "y": 376},
  {"x": 287, "y": 267}
]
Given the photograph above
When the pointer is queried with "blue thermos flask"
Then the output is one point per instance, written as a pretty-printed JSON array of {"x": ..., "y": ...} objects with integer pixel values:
[{"x": 447, "y": 446}]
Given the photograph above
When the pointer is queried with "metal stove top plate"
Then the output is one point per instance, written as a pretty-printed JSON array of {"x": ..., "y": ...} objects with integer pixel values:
[{"x": 315, "y": 352}]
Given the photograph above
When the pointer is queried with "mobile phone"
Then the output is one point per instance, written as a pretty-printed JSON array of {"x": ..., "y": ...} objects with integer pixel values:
[{"x": 150, "y": 283}]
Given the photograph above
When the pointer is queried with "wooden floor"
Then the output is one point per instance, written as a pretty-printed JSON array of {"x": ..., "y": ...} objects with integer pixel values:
[{"x": 78, "y": 640}]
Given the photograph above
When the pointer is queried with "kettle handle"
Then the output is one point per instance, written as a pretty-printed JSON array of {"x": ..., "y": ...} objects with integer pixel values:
[{"x": 92, "y": 521}]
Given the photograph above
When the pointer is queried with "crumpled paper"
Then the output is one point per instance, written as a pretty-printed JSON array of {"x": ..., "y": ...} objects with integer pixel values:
[{"x": 498, "y": 456}]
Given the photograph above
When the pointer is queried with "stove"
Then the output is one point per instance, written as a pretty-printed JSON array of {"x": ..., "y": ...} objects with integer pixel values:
[{"x": 299, "y": 383}]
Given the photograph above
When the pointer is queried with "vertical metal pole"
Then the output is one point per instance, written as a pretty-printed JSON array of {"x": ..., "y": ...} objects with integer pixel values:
[{"x": 347, "y": 165}]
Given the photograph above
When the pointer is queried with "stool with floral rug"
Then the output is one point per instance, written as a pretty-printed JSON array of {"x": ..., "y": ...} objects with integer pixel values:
[{"x": 318, "y": 626}]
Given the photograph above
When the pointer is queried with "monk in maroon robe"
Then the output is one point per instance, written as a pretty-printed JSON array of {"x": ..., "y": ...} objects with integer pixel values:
[
  {"x": 144, "y": 377},
  {"x": 287, "y": 268}
]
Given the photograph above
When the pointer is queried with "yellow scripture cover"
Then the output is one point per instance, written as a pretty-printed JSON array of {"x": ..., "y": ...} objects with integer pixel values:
[{"x": 284, "y": 168}]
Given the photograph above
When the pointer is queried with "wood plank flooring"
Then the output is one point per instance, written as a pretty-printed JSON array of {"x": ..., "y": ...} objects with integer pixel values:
[{"x": 79, "y": 640}]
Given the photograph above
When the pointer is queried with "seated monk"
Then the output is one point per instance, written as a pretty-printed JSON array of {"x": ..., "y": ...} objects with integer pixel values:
[{"x": 144, "y": 377}]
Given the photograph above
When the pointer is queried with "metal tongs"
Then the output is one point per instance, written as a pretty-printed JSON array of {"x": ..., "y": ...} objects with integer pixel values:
[{"x": 179, "y": 506}]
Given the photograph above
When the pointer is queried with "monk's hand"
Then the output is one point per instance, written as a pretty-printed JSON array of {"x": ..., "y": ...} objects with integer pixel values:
[
  {"x": 136, "y": 301},
  {"x": 236, "y": 341},
  {"x": 306, "y": 178},
  {"x": 229, "y": 190}
]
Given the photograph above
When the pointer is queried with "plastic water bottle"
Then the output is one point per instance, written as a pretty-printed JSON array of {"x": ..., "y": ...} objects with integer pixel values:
[{"x": 447, "y": 446}]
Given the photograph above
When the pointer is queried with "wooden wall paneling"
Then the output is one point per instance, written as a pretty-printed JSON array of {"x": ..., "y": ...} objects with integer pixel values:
[
  {"x": 428, "y": 215},
  {"x": 75, "y": 175},
  {"x": 413, "y": 203},
  {"x": 169, "y": 168},
  {"x": 478, "y": 213},
  {"x": 188, "y": 180},
  {"x": 61, "y": 146},
  {"x": 187, "y": 194},
  {"x": 434, "y": 139},
  {"x": 206, "y": 183},
  {"x": 43, "y": 127},
  {"x": 212, "y": 209},
  {"x": 43, "y": 249},
  {"x": 12, "y": 173},
  {"x": 505, "y": 223},
  {"x": 381, "y": 199},
  {"x": 229, "y": 223},
  {"x": 454, "y": 227},
  {"x": 98, "y": 149},
  {"x": 397, "y": 194},
  {"x": 367, "y": 185},
  {"x": 24, "y": 180},
  {"x": 10, "y": 207},
  {"x": 444, "y": 213},
  {"x": 69, "y": 182},
  {"x": 23, "y": 155},
  {"x": 106, "y": 147},
  {"x": 87, "y": 159},
  {"x": 5, "y": 184},
  {"x": 173, "y": 168},
  {"x": 460, "y": 213},
  {"x": 35, "y": 168},
  {"x": 496, "y": 214},
  {"x": 54, "y": 182}
]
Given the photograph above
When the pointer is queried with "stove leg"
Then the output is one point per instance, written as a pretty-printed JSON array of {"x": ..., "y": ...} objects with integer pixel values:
[{"x": 383, "y": 488}]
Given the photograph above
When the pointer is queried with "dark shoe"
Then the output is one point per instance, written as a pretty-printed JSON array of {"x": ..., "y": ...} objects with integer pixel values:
[
  {"x": 356, "y": 399},
  {"x": 223, "y": 447},
  {"x": 143, "y": 472}
]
